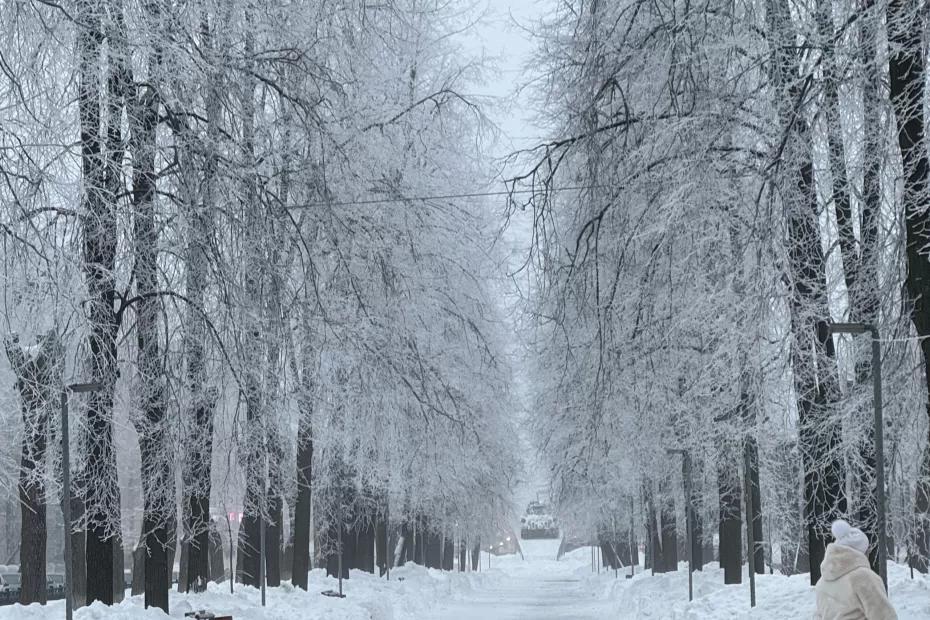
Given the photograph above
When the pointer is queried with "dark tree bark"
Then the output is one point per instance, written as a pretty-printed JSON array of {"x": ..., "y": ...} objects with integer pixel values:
[
  {"x": 669, "y": 535},
  {"x": 382, "y": 546},
  {"x": 78, "y": 544},
  {"x": 730, "y": 518},
  {"x": 217, "y": 554},
  {"x": 248, "y": 551},
  {"x": 100, "y": 184},
  {"x": 151, "y": 425},
  {"x": 433, "y": 543},
  {"x": 183, "y": 564},
  {"x": 906, "y": 67},
  {"x": 448, "y": 554},
  {"x": 255, "y": 450},
  {"x": 654, "y": 557},
  {"x": 463, "y": 556},
  {"x": 476, "y": 554},
  {"x": 119, "y": 572},
  {"x": 419, "y": 540},
  {"x": 365, "y": 547},
  {"x": 406, "y": 545},
  {"x": 38, "y": 378},
  {"x": 138, "y": 569},
  {"x": 864, "y": 296},
  {"x": 198, "y": 436},
  {"x": 756, "y": 499},
  {"x": 302, "y": 521},
  {"x": 608, "y": 557},
  {"x": 273, "y": 541}
]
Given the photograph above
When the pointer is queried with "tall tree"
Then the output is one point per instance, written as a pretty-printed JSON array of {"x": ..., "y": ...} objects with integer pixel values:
[
  {"x": 906, "y": 66},
  {"x": 812, "y": 351},
  {"x": 101, "y": 161}
]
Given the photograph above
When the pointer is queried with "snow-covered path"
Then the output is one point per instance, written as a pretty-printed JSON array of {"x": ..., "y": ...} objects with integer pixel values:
[
  {"x": 526, "y": 596},
  {"x": 535, "y": 588}
]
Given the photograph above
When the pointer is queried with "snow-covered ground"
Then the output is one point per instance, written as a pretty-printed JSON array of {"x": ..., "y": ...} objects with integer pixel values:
[
  {"x": 544, "y": 589},
  {"x": 410, "y": 594},
  {"x": 538, "y": 588}
]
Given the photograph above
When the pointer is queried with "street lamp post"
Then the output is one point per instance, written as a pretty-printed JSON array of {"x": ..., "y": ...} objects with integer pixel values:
[
  {"x": 862, "y": 328},
  {"x": 689, "y": 513},
  {"x": 66, "y": 485}
]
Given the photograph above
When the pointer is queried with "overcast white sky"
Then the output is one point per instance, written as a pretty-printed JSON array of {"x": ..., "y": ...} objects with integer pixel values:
[{"x": 505, "y": 36}]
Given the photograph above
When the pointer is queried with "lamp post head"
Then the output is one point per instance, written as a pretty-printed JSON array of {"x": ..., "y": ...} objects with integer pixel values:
[
  {"x": 85, "y": 387},
  {"x": 848, "y": 328}
]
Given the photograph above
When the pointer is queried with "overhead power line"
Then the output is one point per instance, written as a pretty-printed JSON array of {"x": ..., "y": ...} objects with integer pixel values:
[{"x": 385, "y": 200}]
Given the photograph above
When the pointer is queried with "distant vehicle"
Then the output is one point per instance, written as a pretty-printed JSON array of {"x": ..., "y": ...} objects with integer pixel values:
[
  {"x": 11, "y": 582},
  {"x": 55, "y": 584},
  {"x": 505, "y": 545},
  {"x": 538, "y": 522}
]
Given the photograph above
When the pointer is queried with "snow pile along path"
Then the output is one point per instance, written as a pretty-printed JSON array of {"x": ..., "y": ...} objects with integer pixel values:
[
  {"x": 777, "y": 597},
  {"x": 410, "y": 594}
]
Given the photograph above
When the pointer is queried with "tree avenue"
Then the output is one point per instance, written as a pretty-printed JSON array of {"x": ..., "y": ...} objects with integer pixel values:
[{"x": 262, "y": 235}]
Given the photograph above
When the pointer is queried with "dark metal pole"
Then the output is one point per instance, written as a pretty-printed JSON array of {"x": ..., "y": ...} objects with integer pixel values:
[
  {"x": 750, "y": 542},
  {"x": 66, "y": 501},
  {"x": 388, "y": 550},
  {"x": 232, "y": 565},
  {"x": 632, "y": 537},
  {"x": 339, "y": 525},
  {"x": 879, "y": 454},
  {"x": 261, "y": 537}
]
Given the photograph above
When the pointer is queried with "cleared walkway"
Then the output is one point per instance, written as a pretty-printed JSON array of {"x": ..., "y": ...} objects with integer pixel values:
[{"x": 538, "y": 588}]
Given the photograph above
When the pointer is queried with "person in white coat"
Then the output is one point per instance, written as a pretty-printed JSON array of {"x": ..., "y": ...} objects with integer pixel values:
[{"x": 848, "y": 589}]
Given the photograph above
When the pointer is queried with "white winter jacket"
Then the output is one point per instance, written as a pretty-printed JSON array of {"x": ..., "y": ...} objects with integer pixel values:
[{"x": 848, "y": 589}]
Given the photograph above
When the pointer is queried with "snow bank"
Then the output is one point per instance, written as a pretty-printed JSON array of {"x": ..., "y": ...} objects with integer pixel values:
[
  {"x": 778, "y": 597},
  {"x": 411, "y": 591}
]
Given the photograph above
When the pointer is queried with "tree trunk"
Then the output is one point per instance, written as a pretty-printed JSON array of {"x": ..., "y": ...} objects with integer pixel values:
[
  {"x": 119, "y": 573},
  {"x": 37, "y": 379},
  {"x": 448, "y": 554},
  {"x": 756, "y": 499},
  {"x": 157, "y": 475},
  {"x": 302, "y": 522},
  {"x": 248, "y": 551},
  {"x": 906, "y": 67},
  {"x": 255, "y": 450},
  {"x": 273, "y": 541},
  {"x": 669, "y": 535},
  {"x": 183, "y": 565},
  {"x": 198, "y": 435},
  {"x": 381, "y": 544},
  {"x": 814, "y": 367},
  {"x": 100, "y": 185},
  {"x": 217, "y": 555},
  {"x": 138, "y": 569},
  {"x": 730, "y": 518},
  {"x": 78, "y": 544},
  {"x": 433, "y": 542}
]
